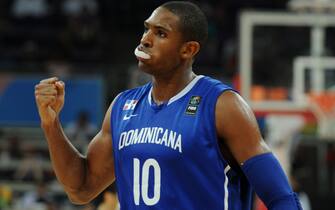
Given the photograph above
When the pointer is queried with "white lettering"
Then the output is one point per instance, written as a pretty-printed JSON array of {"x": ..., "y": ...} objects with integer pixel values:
[
  {"x": 178, "y": 143},
  {"x": 153, "y": 135},
  {"x": 172, "y": 138},
  {"x": 148, "y": 136},
  {"x": 164, "y": 138},
  {"x": 158, "y": 140},
  {"x": 137, "y": 136},
  {"x": 129, "y": 137},
  {"x": 121, "y": 140}
]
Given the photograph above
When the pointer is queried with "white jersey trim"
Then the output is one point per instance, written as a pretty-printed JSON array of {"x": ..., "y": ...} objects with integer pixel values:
[
  {"x": 226, "y": 192},
  {"x": 181, "y": 93}
]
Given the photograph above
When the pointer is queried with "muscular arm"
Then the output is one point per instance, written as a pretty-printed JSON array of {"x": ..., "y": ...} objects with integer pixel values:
[
  {"x": 237, "y": 127},
  {"x": 83, "y": 177}
]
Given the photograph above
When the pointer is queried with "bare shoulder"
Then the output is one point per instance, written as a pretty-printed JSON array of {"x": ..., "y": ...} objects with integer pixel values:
[
  {"x": 237, "y": 126},
  {"x": 232, "y": 113},
  {"x": 233, "y": 101},
  {"x": 231, "y": 106}
]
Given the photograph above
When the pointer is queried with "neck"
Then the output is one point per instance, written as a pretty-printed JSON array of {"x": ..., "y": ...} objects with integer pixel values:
[{"x": 165, "y": 87}]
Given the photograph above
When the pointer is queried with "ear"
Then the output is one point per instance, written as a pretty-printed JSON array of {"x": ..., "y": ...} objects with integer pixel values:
[{"x": 190, "y": 49}]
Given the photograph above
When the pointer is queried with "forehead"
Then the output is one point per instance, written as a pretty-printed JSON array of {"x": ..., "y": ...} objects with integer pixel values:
[{"x": 164, "y": 18}]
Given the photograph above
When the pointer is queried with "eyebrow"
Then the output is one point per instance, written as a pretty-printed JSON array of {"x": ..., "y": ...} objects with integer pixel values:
[{"x": 158, "y": 26}]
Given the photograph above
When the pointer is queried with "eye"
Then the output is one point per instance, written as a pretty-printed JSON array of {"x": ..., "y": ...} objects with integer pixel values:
[{"x": 161, "y": 34}]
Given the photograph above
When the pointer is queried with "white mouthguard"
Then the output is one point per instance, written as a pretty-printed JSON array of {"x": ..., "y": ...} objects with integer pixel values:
[{"x": 141, "y": 54}]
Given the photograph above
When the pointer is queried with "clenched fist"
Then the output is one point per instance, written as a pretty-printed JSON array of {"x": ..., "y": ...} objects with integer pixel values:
[{"x": 49, "y": 96}]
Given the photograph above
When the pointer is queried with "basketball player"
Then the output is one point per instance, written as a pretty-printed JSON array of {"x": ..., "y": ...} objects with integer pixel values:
[{"x": 183, "y": 141}]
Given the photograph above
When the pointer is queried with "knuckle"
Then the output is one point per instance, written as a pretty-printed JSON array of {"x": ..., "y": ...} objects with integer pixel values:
[{"x": 38, "y": 99}]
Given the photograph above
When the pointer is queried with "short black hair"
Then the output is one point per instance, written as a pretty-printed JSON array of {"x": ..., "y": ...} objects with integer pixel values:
[{"x": 193, "y": 22}]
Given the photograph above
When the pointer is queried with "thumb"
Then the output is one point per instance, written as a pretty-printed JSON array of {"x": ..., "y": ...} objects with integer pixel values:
[{"x": 60, "y": 88}]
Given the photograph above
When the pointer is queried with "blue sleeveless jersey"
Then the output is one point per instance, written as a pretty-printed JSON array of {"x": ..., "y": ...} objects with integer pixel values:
[{"x": 167, "y": 156}]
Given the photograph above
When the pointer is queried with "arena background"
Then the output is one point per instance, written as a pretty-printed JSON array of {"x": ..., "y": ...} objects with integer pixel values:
[{"x": 277, "y": 53}]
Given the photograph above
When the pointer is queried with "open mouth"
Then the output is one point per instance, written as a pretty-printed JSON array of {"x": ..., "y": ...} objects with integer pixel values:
[{"x": 140, "y": 54}]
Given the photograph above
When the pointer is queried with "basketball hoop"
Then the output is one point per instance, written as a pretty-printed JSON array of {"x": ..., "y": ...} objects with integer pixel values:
[{"x": 323, "y": 106}]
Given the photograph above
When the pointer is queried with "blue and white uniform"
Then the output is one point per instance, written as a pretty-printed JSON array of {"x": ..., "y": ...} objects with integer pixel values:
[{"x": 167, "y": 156}]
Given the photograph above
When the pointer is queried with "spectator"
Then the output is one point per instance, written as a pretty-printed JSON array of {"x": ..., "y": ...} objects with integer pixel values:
[
  {"x": 14, "y": 148},
  {"x": 37, "y": 199},
  {"x": 29, "y": 168},
  {"x": 82, "y": 36},
  {"x": 58, "y": 68},
  {"x": 303, "y": 197},
  {"x": 10, "y": 151},
  {"x": 30, "y": 8},
  {"x": 75, "y": 7},
  {"x": 81, "y": 131},
  {"x": 6, "y": 196}
]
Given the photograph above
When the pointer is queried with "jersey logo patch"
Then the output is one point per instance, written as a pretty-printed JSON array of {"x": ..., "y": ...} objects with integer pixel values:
[
  {"x": 193, "y": 104},
  {"x": 130, "y": 105}
]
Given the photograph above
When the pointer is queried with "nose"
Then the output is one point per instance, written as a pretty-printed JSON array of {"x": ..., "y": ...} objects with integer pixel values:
[{"x": 146, "y": 40}]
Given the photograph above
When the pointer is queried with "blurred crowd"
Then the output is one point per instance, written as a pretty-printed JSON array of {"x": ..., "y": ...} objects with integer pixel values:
[
  {"x": 70, "y": 37},
  {"x": 27, "y": 181},
  {"x": 95, "y": 33}
]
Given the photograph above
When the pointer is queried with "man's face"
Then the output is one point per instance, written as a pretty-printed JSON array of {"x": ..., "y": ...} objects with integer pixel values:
[{"x": 162, "y": 41}]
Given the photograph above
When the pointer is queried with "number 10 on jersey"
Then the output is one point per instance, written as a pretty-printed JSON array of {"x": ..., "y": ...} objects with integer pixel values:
[{"x": 141, "y": 187}]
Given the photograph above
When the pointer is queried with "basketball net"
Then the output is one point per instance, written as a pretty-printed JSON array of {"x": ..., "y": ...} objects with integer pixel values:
[{"x": 323, "y": 106}]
